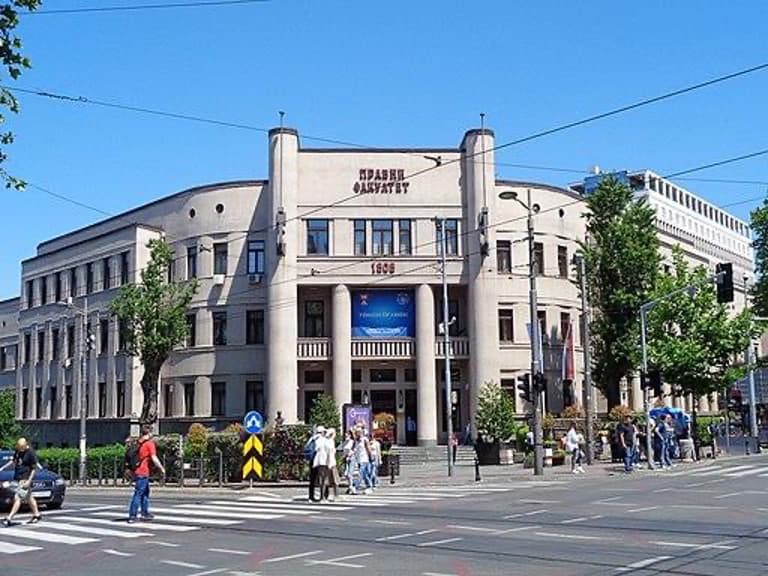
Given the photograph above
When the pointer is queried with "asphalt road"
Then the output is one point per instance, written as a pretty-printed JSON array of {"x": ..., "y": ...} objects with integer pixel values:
[{"x": 704, "y": 520}]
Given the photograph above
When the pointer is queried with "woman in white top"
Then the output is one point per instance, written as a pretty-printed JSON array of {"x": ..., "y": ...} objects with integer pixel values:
[
  {"x": 573, "y": 442},
  {"x": 332, "y": 473}
]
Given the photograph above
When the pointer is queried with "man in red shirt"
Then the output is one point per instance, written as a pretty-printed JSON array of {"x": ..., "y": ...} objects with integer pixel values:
[{"x": 140, "y": 500}]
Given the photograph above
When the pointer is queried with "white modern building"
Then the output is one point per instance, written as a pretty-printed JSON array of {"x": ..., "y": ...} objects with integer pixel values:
[{"x": 324, "y": 277}]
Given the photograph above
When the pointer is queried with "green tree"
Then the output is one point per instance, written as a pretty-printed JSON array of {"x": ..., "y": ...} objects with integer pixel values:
[
  {"x": 14, "y": 63},
  {"x": 621, "y": 257},
  {"x": 154, "y": 314},
  {"x": 495, "y": 416},
  {"x": 325, "y": 412},
  {"x": 10, "y": 429},
  {"x": 759, "y": 224},
  {"x": 693, "y": 339}
]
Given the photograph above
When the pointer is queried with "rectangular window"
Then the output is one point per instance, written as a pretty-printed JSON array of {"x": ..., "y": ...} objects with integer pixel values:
[
  {"x": 317, "y": 237},
  {"x": 189, "y": 399},
  {"x": 219, "y": 328},
  {"x": 122, "y": 335},
  {"x": 508, "y": 386},
  {"x": 172, "y": 269},
  {"x": 89, "y": 278},
  {"x": 382, "y": 237},
  {"x": 314, "y": 316},
  {"x": 256, "y": 257},
  {"x": 102, "y": 399},
  {"x": 357, "y": 375},
  {"x": 191, "y": 330},
  {"x": 68, "y": 401},
  {"x": 541, "y": 315},
  {"x": 168, "y": 400},
  {"x": 451, "y": 238},
  {"x": 38, "y": 402},
  {"x": 562, "y": 261},
  {"x": 220, "y": 257},
  {"x": 120, "y": 398},
  {"x": 254, "y": 327},
  {"x": 55, "y": 343},
  {"x": 53, "y": 401},
  {"x": 3, "y": 359},
  {"x": 405, "y": 246},
  {"x": 104, "y": 336},
  {"x": 191, "y": 262},
  {"x": 27, "y": 348},
  {"x": 254, "y": 396},
  {"x": 360, "y": 248},
  {"x": 383, "y": 375},
  {"x": 410, "y": 375},
  {"x": 73, "y": 282},
  {"x": 44, "y": 290},
  {"x": 565, "y": 325},
  {"x": 57, "y": 287},
  {"x": 124, "y": 268},
  {"x": 30, "y": 293},
  {"x": 41, "y": 346},
  {"x": 70, "y": 341},
  {"x": 506, "y": 326},
  {"x": 314, "y": 377},
  {"x": 106, "y": 278},
  {"x": 503, "y": 256},
  {"x": 453, "y": 316},
  {"x": 218, "y": 399},
  {"x": 24, "y": 402},
  {"x": 538, "y": 258}
]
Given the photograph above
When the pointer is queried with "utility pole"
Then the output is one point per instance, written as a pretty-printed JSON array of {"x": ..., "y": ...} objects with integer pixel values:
[
  {"x": 447, "y": 343},
  {"x": 586, "y": 345},
  {"x": 85, "y": 350},
  {"x": 753, "y": 431},
  {"x": 646, "y": 389}
]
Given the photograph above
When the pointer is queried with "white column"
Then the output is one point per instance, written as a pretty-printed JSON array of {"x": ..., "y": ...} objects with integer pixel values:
[
  {"x": 342, "y": 346},
  {"x": 637, "y": 394},
  {"x": 282, "y": 324},
  {"x": 426, "y": 393}
]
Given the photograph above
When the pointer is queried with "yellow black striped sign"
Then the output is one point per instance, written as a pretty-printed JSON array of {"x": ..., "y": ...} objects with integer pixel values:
[{"x": 253, "y": 450}]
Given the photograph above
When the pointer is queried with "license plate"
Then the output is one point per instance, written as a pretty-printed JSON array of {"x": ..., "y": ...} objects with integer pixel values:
[{"x": 42, "y": 494}]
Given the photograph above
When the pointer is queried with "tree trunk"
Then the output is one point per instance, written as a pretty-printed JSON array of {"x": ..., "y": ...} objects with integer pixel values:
[
  {"x": 149, "y": 389},
  {"x": 613, "y": 395}
]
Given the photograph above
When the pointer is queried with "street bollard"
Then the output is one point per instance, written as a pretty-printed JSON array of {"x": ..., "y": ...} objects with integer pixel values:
[
  {"x": 221, "y": 467},
  {"x": 201, "y": 471},
  {"x": 114, "y": 471},
  {"x": 58, "y": 465},
  {"x": 477, "y": 470},
  {"x": 101, "y": 470},
  {"x": 165, "y": 467},
  {"x": 391, "y": 471},
  {"x": 71, "y": 471}
]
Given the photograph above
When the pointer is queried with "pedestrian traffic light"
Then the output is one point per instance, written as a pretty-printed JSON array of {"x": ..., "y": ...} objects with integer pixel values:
[
  {"x": 539, "y": 383},
  {"x": 91, "y": 340},
  {"x": 655, "y": 382},
  {"x": 525, "y": 386},
  {"x": 724, "y": 281}
]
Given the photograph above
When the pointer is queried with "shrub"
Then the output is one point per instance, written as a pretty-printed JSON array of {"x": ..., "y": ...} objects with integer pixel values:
[
  {"x": 495, "y": 417},
  {"x": 572, "y": 412},
  {"x": 325, "y": 412},
  {"x": 521, "y": 436},
  {"x": 548, "y": 424},
  {"x": 197, "y": 440},
  {"x": 618, "y": 413}
]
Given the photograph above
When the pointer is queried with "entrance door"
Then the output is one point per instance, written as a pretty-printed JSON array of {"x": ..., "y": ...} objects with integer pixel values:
[
  {"x": 411, "y": 419},
  {"x": 385, "y": 402}
]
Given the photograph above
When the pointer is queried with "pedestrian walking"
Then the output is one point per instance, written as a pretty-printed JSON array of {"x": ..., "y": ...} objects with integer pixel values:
[
  {"x": 636, "y": 448},
  {"x": 375, "y": 447},
  {"x": 310, "y": 450},
  {"x": 349, "y": 461},
  {"x": 333, "y": 473},
  {"x": 626, "y": 436},
  {"x": 661, "y": 440},
  {"x": 325, "y": 452},
  {"x": 573, "y": 441},
  {"x": 24, "y": 464},
  {"x": 362, "y": 458},
  {"x": 454, "y": 447},
  {"x": 145, "y": 453}
]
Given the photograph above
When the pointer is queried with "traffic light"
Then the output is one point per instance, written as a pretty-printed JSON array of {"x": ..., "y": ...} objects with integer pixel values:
[
  {"x": 90, "y": 340},
  {"x": 653, "y": 381},
  {"x": 539, "y": 383},
  {"x": 724, "y": 281},
  {"x": 525, "y": 386}
]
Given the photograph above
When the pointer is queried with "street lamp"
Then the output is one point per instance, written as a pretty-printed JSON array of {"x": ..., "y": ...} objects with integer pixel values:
[
  {"x": 536, "y": 363},
  {"x": 87, "y": 344}
]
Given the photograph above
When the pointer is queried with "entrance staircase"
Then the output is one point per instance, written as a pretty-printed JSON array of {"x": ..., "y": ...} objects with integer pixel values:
[{"x": 415, "y": 455}]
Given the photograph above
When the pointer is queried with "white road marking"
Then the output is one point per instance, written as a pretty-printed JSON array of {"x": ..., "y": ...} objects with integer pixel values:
[
  {"x": 279, "y": 505},
  {"x": 163, "y": 544},
  {"x": 254, "y": 507},
  {"x": 8, "y": 548},
  {"x": 33, "y": 534},
  {"x": 643, "y": 563},
  {"x": 98, "y": 508},
  {"x": 341, "y": 561},
  {"x": 438, "y": 542},
  {"x": 534, "y": 501},
  {"x": 581, "y": 519},
  {"x": 155, "y": 525},
  {"x": 572, "y": 536},
  {"x": 406, "y": 535},
  {"x": 95, "y": 530},
  {"x": 729, "y": 495},
  {"x": 208, "y": 572},
  {"x": 520, "y": 515},
  {"x": 228, "y": 551},
  {"x": 436, "y": 574},
  {"x": 471, "y": 528},
  {"x": 390, "y": 522},
  {"x": 163, "y": 518},
  {"x": 196, "y": 510},
  {"x": 182, "y": 564},
  {"x": 696, "y": 507},
  {"x": 292, "y": 557},
  {"x": 745, "y": 473},
  {"x": 713, "y": 472},
  {"x": 117, "y": 553},
  {"x": 714, "y": 546},
  {"x": 645, "y": 509},
  {"x": 517, "y": 529}
]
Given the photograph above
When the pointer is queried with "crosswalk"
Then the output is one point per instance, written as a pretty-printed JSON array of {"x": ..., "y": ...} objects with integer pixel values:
[
  {"x": 96, "y": 525},
  {"x": 724, "y": 471}
]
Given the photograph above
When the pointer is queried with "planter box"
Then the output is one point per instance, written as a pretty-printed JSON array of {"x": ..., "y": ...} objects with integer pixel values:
[{"x": 487, "y": 454}]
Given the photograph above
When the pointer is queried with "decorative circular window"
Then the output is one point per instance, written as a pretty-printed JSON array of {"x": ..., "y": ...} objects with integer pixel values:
[
  {"x": 219, "y": 208},
  {"x": 192, "y": 212}
]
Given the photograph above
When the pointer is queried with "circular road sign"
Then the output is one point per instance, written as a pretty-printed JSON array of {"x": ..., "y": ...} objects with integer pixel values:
[{"x": 253, "y": 422}]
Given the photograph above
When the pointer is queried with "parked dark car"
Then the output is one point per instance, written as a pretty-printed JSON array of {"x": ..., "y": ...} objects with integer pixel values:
[{"x": 48, "y": 488}]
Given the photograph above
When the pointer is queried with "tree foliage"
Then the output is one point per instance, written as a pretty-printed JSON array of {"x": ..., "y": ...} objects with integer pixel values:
[
  {"x": 495, "y": 416},
  {"x": 693, "y": 339},
  {"x": 325, "y": 412},
  {"x": 14, "y": 63},
  {"x": 759, "y": 224},
  {"x": 154, "y": 315},
  {"x": 10, "y": 430},
  {"x": 621, "y": 256}
]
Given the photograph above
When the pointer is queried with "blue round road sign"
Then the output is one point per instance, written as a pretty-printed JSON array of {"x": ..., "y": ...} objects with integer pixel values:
[{"x": 253, "y": 422}]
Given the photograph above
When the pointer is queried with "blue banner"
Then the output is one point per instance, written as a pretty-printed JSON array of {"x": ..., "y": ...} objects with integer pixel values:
[{"x": 383, "y": 314}]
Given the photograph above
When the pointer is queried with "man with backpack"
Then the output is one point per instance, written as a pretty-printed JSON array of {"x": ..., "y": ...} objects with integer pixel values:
[
  {"x": 310, "y": 448},
  {"x": 138, "y": 457}
]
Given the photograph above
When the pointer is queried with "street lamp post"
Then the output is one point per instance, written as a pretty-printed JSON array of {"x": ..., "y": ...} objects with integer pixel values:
[
  {"x": 536, "y": 364},
  {"x": 586, "y": 347},
  {"x": 447, "y": 343}
]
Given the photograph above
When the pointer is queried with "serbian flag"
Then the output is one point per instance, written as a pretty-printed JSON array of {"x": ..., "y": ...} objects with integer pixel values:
[{"x": 566, "y": 362}]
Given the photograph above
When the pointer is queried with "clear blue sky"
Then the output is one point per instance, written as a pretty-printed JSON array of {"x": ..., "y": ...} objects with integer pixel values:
[{"x": 395, "y": 73}]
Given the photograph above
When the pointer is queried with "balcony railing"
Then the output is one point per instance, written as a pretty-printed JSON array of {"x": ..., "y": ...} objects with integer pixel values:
[
  {"x": 459, "y": 347},
  {"x": 314, "y": 349},
  {"x": 390, "y": 348}
]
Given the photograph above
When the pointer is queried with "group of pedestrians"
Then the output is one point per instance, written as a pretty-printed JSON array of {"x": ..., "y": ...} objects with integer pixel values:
[{"x": 631, "y": 438}]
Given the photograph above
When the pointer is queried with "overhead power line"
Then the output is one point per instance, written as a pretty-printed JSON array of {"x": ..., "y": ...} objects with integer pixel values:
[
  {"x": 720, "y": 163},
  {"x": 139, "y": 7}
]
